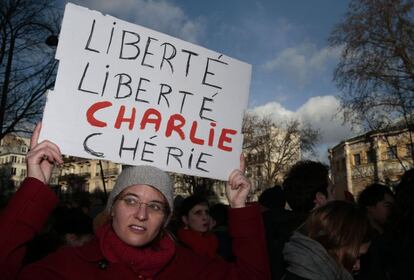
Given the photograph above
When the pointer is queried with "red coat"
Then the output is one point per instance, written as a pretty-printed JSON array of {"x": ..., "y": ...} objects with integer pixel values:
[
  {"x": 29, "y": 208},
  {"x": 204, "y": 244}
]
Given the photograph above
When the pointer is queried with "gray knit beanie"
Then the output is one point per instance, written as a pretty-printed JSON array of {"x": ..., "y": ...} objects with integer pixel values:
[{"x": 143, "y": 175}]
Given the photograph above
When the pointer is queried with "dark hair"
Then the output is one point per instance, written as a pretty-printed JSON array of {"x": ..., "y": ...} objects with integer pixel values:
[
  {"x": 219, "y": 212},
  {"x": 341, "y": 227},
  {"x": 303, "y": 181},
  {"x": 373, "y": 194},
  {"x": 72, "y": 220},
  {"x": 401, "y": 225},
  {"x": 273, "y": 198},
  {"x": 188, "y": 203}
]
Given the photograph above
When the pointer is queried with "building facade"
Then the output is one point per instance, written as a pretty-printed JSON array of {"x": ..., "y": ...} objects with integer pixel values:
[
  {"x": 88, "y": 174},
  {"x": 380, "y": 157},
  {"x": 270, "y": 157},
  {"x": 13, "y": 151}
]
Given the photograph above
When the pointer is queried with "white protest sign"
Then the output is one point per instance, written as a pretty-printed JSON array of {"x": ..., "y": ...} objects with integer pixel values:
[{"x": 135, "y": 96}]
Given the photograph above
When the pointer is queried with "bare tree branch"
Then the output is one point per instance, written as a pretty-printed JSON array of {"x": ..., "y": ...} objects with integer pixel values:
[{"x": 27, "y": 67}]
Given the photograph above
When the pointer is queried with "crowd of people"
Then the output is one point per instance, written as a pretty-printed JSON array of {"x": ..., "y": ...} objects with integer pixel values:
[{"x": 297, "y": 230}]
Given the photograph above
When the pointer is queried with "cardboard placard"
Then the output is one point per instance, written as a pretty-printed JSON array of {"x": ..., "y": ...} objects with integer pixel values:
[{"x": 135, "y": 96}]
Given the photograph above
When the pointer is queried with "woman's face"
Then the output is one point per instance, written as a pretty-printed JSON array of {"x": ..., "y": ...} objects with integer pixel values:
[
  {"x": 362, "y": 251},
  {"x": 198, "y": 218},
  {"x": 138, "y": 214}
]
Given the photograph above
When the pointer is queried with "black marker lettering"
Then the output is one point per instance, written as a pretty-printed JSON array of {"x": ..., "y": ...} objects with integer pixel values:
[
  {"x": 172, "y": 55},
  {"x": 80, "y": 86},
  {"x": 204, "y": 108},
  {"x": 133, "y": 43},
  {"x": 90, "y": 38},
  {"x": 185, "y": 93},
  {"x": 190, "y": 53},
  {"x": 110, "y": 39},
  {"x": 176, "y": 156},
  {"x": 200, "y": 161},
  {"x": 89, "y": 150},
  {"x": 122, "y": 83},
  {"x": 141, "y": 89},
  {"x": 145, "y": 151},
  {"x": 207, "y": 71},
  {"x": 106, "y": 79},
  {"x": 190, "y": 159},
  {"x": 122, "y": 148},
  {"x": 164, "y": 93},
  {"x": 147, "y": 52}
]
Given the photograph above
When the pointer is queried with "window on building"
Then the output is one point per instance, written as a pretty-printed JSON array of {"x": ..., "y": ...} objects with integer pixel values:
[
  {"x": 261, "y": 157},
  {"x": 259, "y": 171},
  {"x": 337, "y": 165},
  {"x": 392, "y": 152},
  {"x": 371, "y": 156},
  {"x": 24, "y": 149},
  {"x": 409, "y": 150},
  {"x": 23, "y": 173},
  {"x": 357, "y": 159},
  {"x": 14, "y": 159},
  {"x": 13, "y": 171}
]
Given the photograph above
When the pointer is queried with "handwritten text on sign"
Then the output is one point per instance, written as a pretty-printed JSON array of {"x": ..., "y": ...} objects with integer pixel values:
[{"x": 132, "y": 95}]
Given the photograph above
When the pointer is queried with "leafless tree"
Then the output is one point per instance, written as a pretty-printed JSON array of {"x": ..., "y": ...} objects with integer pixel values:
[
  {"x": 273, "y": 147},
  {"x": 27, "y": 64},
  {"x": 376, "y": 69}
]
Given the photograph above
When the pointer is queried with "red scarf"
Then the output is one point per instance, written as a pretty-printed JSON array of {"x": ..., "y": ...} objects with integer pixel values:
[
  {"x": 145, "y": 261},
  {"x": 204, "y": 244}
]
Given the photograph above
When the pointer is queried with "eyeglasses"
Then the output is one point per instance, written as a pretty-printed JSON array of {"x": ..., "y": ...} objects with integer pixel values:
[{"x": 133, "y": 202}]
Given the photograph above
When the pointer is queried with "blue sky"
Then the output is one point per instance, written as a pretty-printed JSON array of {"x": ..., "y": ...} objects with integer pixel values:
[{"x": 285, "y": 41}]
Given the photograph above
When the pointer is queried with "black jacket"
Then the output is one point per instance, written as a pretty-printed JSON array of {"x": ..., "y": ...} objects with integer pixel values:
[{"x": 279, "y": 226}]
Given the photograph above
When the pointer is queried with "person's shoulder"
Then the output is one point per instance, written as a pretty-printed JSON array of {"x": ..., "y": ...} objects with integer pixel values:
[
  {"x": 67, "y": 260},
  {"x": 290, "y": 276}
]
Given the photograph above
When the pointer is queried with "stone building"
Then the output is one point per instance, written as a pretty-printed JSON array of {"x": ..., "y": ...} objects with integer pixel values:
[
  {"x": 269, "y": 156},
  {"x": 13, "y": 151},
  {"x": 377, "y": 156},
  {"x": 87, "y": 174}
]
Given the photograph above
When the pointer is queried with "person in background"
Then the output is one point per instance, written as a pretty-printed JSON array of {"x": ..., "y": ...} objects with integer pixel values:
[
  {"x": 305, "y": 186},
  {"x": 272, "y": 198},
  {"x": 73, "y": 226},
  {"x": 328, "y": 246},
  {"x": 197, "y": 222},
  {"x": 134, "y": 243},
  {"x": 67, "y": 227},
  {"x": 219, "y": 213},
  {"x": 377, "y": 200},
  {"x": 391, "y": 255}
]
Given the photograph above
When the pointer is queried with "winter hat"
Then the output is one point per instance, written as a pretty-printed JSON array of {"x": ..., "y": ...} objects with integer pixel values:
[{"x": 143, "y": 175}]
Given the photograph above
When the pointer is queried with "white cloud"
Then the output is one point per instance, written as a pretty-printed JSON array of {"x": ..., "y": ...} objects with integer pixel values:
[
  {"x": 275, "y": 110},
  {"x": 320, "y": 112},
  {"x": 160, "y": 15},
  {"x": 303, "y": 63}
]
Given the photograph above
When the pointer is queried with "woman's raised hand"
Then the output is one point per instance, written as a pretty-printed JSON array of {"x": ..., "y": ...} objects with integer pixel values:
[
  {"x": 42, "y": 157},
  {"x": 238, "y": 186}
]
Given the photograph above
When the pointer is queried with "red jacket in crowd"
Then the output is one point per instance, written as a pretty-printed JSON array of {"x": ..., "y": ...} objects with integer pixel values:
[{"x": 29, "y": 208}]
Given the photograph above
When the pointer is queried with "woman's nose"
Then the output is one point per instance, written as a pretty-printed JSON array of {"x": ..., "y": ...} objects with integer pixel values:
[
  {"x": 357, "y": 265},
  {"x": 142, "y": 212}
]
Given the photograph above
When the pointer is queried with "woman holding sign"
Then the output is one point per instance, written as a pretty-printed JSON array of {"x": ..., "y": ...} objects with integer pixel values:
[{"x": 134, "y": 244}]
